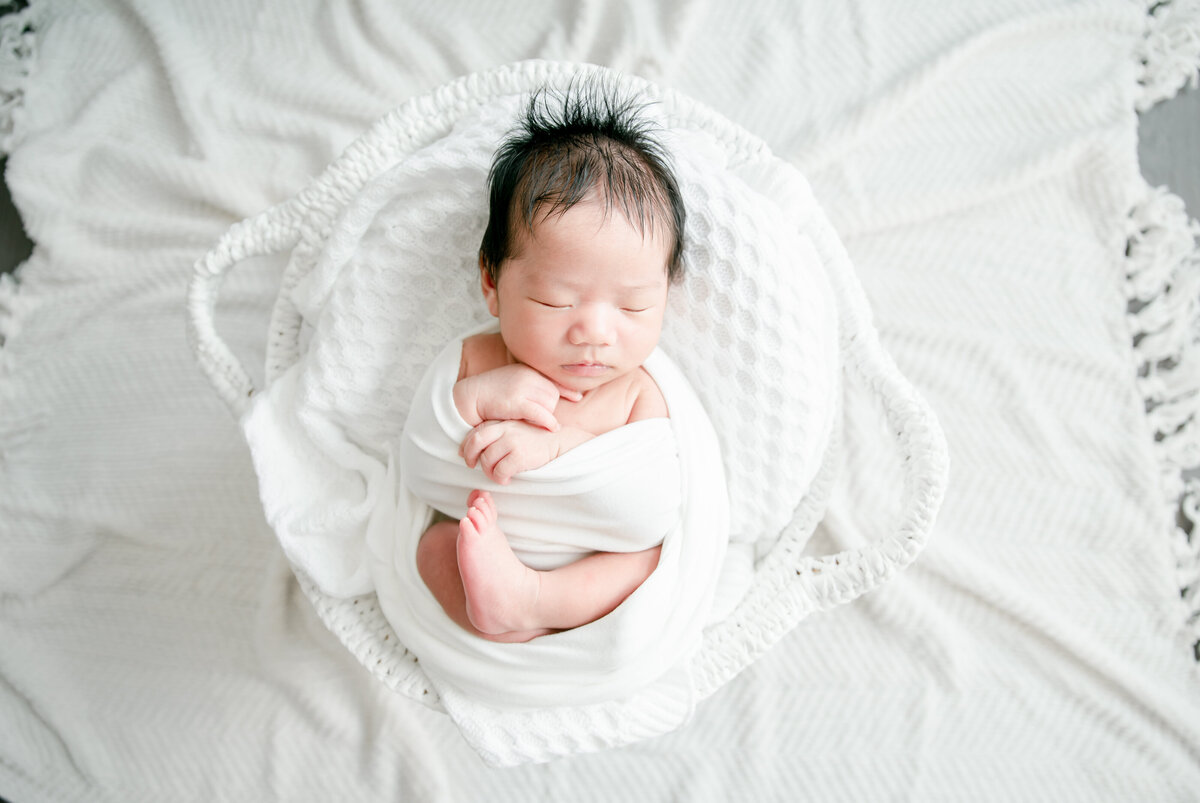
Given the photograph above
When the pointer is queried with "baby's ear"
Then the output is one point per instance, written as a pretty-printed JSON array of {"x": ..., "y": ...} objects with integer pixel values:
[{"x": 488, "y": 286}]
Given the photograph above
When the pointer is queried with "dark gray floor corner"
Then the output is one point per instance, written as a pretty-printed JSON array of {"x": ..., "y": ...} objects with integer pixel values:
[
  {"x": 1168, "y": 146},
  {"x": 14, "y": 245}
]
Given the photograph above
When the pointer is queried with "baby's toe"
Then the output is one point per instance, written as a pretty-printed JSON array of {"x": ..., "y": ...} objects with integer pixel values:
[{"x": 485, "y": 503}]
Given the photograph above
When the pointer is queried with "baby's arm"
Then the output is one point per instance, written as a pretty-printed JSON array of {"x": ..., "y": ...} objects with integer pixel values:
[
  {"x": 489, "y": 388},
  {"x": 503, "y": 449},
  {"x": 509, "y": 393}
]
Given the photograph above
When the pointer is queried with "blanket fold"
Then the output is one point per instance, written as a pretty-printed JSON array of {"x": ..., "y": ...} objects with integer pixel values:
[{"x": 653, "y": 632}]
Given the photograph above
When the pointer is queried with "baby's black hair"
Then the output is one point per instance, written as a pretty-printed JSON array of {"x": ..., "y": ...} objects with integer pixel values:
[{"x": 568, "y": 144}]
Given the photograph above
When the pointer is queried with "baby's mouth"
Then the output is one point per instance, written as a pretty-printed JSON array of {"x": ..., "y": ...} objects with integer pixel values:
[{"x": 586, "y": 369}]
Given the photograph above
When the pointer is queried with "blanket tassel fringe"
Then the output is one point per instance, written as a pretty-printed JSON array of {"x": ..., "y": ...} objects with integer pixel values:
[
  {"x": 9, "y": 302},
  {"x": 17, "y": 44},
  {"x": 18, "y": 24},
  {"x": 1163, "y": 274},
  {"x": 1170, "y": 53}
]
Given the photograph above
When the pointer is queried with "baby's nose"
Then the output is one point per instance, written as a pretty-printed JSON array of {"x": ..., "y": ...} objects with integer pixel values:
[{"x": 593, "y": 326}]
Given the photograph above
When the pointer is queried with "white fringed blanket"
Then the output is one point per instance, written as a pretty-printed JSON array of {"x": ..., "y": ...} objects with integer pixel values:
[{"x": 979, "y": 162}]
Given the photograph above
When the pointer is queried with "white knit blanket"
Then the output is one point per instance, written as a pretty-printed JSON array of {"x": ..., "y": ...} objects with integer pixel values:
[{"x": 979, "y": 162}]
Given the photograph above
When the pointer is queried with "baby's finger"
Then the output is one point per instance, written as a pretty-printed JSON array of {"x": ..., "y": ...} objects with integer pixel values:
[
  {"x": 504, "y": 469},
  {"x": 478, "y": 439},
  {"x": 471, "y": 456},
  {"x": 547, "y": 392},
  {"x": 539, "y": 416},
  {"x": 468, "y": 450},
  {"x": 490, "y": 458},
  {"x": 569, "y": 394}
]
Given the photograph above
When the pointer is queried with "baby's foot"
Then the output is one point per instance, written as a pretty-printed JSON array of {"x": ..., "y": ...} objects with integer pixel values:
[{"x": 501, "y": 591}]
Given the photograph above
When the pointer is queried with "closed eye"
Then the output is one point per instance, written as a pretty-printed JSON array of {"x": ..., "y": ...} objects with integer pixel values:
[
  {"x": 634, "y": 309},
  {"x": 548, "y": 304}
]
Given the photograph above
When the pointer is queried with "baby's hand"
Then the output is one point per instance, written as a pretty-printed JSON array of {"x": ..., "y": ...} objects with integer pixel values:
[
  {"x": 503, "y": 449},
  {"x": 510, "y": 393}
]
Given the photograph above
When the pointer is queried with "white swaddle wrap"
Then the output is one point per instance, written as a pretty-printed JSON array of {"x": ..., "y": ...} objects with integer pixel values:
[
  {"x": 677, "y": 461},
  {"x": 619, "y": 492}
]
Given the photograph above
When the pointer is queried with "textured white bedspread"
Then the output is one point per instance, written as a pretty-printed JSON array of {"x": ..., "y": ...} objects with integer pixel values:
[{"x": 979, "y": 161}]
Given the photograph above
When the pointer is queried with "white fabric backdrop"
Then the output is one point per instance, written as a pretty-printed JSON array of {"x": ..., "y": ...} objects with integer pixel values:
[{"x": 979, "y": 161}]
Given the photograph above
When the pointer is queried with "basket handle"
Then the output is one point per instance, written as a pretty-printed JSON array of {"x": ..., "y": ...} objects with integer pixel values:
[
  {"x": 272, "y": 231},
  {"x": 834, "y": 579}
]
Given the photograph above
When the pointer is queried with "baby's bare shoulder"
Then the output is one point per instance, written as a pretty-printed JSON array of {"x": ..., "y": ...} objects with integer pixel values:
[
  {"x": 647, "y": 399},
  {"x": 482, "y": 352}
]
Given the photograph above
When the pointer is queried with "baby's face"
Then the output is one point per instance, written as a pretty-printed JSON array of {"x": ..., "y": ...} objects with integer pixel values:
[{"x": 583, "y": 301}]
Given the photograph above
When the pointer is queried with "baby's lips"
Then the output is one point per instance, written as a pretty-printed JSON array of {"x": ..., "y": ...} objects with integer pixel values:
[{"x": 588, "y": 370}]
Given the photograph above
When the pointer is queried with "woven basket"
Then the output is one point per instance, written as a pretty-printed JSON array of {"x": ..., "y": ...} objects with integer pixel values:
[{"x": 786, "y": 585}]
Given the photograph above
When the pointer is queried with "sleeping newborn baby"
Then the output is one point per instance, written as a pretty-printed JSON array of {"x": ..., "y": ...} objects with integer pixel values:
[{"x": 584, "y": 237}]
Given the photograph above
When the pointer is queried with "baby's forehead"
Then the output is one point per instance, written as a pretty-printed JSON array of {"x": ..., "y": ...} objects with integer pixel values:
[
  {"x": 590, "y": 247},
  {"x": 647, "y": 219},
  {"x": 591, "y": 221}
]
